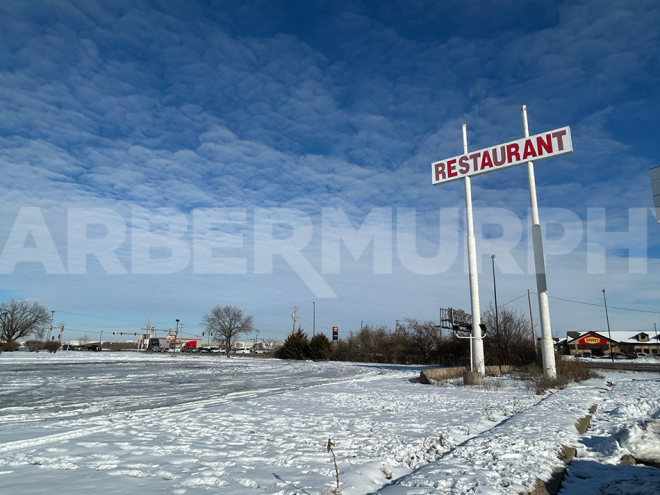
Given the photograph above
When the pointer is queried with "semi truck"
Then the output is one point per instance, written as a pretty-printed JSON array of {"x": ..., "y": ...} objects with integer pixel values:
[
  {"x": 157, "y": 344},
  {"x": 195, "y": 345}
]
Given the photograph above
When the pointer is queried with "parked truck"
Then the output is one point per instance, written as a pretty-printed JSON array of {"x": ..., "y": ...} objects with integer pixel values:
[
  {"x": 158, "y": 344},
  {"x": 196, "y": 345}
]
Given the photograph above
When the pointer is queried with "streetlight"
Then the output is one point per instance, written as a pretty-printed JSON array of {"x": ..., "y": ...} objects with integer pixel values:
[
  {"x": 176, "y": 335},
  {"x": 608, "y": 326},
  {"x": 497, "y": 318}
]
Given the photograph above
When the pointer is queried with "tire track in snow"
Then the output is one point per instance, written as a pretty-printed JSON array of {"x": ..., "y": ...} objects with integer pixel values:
[
  {"x": 58, "y": 437},
  {"x": 144, "y": 414}
]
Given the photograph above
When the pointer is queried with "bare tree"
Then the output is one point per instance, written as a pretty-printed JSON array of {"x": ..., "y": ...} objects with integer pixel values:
[
  {"x": 271, "y": 344},
  {"x": 425, "y": 338},
  {"x": 22, "y": 318},
  {"x": 227, "y": 323},
  {"x": 510, "y": 336}
]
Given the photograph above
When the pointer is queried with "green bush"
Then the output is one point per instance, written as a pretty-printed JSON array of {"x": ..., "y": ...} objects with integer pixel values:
[
  {"x": 319, "y": 347},
  {"x": 296, "y": 346}
]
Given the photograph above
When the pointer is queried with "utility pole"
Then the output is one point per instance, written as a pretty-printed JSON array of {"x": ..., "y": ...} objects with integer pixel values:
[
  {"x": 314, "y": 324},
  {"x": 396, "y": 325},
  {"x": 361, "y": 322},
  {"x": 176, "y": 334},
  {"x": 294, "y": 315},
  {"x": 52, "y": 313},
  {"x": 531, "y": 317},
  {"x": 608, "y": 326}
]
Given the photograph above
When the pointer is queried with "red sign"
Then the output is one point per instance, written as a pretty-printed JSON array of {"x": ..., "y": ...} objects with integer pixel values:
[
  {"x": 592, "y": 340},
  {"x": 335, "y": 333}
]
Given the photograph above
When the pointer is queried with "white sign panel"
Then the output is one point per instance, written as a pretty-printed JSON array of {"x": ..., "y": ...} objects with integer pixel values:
[{"x": 511, "y": 154}]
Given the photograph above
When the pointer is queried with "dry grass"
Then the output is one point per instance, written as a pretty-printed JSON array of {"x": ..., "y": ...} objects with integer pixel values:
[
  {"x": 489, "y": 384},
  {"x": 568, "y": 371}
]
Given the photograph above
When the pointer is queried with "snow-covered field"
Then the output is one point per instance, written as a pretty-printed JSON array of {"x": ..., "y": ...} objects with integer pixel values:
[{"x": 125, "y": 423}]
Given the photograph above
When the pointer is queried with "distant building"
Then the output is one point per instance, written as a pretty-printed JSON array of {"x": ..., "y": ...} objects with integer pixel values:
[{"x": 599, "y": 343}]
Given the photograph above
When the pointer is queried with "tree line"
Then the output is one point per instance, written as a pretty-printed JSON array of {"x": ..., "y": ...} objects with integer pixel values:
[
  {"x": 507, "y": 342},
  {"x": 508, "y": 338}
]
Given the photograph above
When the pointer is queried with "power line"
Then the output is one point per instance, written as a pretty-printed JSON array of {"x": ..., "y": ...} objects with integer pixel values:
[
  {"x": 100, "y": 317},
  {"x": 602, "y": 306},
  {"x": 513, "y": 300},
  {"x": 94, "y": 317},
  {"x": 306, "y": 321}
]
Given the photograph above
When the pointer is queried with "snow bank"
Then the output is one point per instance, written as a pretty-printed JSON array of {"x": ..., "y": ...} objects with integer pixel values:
[{"x": 510, "y": 457}]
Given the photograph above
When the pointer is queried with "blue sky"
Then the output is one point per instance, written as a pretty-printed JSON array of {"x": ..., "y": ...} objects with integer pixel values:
[{"x": 312, "y": 105}]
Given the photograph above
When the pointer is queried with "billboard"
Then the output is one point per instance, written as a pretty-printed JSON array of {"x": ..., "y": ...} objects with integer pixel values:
[{"x": 534, "y": 148}]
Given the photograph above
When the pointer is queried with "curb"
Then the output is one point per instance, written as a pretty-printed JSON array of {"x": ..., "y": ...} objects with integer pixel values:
[{"x": 566, "y": 454}]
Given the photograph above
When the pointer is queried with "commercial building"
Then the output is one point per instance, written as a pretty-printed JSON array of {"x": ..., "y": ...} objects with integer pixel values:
[{"x": 599, "y": 343}]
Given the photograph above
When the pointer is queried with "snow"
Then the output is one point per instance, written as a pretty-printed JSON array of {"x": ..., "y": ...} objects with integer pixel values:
[
  {"x": 626, "y": 422},
  {"x": 74, "y": 422}
]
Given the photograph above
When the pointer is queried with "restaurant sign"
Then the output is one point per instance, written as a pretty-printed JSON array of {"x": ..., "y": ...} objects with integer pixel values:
[{"x": 592, "y": 340}]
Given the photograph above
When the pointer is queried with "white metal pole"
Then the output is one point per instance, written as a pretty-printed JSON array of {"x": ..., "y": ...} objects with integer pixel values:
[
  {"x": 477, "y": 351},
  {"x": 471, "y": 354},
  {"x": 531, "y": 317},
  {"x": 547, "y": 344}
]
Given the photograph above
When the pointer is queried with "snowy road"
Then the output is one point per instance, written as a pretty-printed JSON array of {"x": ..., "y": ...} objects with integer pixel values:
[{"x": 72, "y": 385}]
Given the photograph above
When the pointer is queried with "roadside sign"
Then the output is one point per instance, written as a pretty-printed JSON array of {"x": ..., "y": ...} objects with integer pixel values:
[
  {"x": 511, "y": 154},
  {"x": 527, "y": 150},
  {"x": 335, "y": 333}
]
